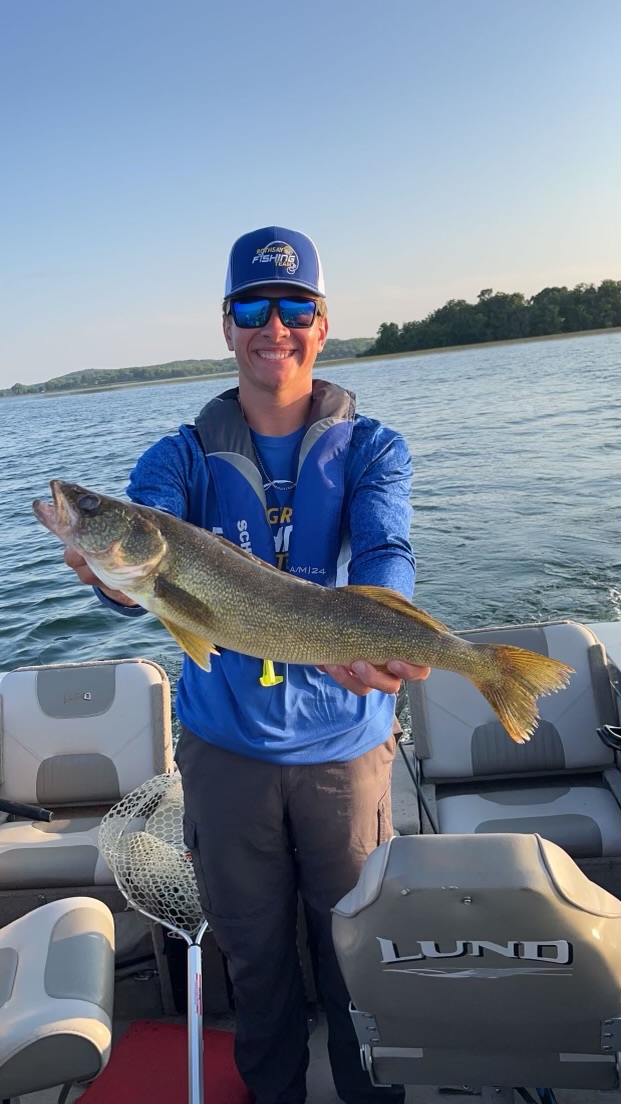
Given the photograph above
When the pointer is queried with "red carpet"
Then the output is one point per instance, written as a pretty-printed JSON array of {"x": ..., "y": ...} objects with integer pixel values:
[{"x": 149, "y": 1065}]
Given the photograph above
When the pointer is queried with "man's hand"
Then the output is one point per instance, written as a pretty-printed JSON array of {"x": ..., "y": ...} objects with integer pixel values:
[
  {"x": 74, "y": 560},
  {"x": 362, "y": 677}
]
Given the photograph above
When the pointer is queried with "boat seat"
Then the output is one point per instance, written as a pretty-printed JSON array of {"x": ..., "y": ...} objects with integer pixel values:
[
  {"x": 485, "y": 960},
  {"x": 75, "y": 738},
  {"x": 564, "y": 784},
  {"x": 56, "y": 994}
]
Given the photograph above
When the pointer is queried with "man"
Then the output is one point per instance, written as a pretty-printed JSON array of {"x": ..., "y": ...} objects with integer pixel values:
[{"x": 286, "y": 770}]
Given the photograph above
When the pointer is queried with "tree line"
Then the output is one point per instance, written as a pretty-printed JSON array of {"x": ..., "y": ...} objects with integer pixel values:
[
  {"x": 89, "y": 378},
  {"x": 502, "y": 316}
]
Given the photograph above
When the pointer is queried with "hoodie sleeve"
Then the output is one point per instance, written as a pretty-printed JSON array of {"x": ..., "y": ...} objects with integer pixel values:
[
  {"x": 162, "y": 476},
  {"x": 380, "y": 515}
]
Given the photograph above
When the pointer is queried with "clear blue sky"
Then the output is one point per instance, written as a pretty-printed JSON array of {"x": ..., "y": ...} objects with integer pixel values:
[{"x": 430, "y": 147}]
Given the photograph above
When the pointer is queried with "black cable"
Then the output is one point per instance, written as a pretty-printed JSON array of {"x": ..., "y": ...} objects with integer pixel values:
[
  {"x": 421, "y": 796},
  {"x": 610, "y": 735}
]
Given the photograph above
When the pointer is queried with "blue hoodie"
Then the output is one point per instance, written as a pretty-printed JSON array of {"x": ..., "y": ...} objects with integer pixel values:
[{"x": 352, "y": 515}]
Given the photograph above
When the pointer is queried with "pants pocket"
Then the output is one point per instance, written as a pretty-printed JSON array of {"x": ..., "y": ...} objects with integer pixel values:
[{"x": 190, "y": 838}]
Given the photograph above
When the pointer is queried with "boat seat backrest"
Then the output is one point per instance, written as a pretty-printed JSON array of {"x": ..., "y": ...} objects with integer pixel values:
[
  {"x": 481, "y": 959},
  {"x": 81, "y": 734},
  {"x": 458, "y": 736},
  {"x": 56, "y": 996}
]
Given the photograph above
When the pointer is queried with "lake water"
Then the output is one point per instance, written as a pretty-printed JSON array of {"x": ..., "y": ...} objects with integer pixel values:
[{"x": 517, "y": 510}]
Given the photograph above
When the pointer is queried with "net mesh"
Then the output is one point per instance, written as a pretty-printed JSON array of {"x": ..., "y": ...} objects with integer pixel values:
[{"x": 141, "y": 839}]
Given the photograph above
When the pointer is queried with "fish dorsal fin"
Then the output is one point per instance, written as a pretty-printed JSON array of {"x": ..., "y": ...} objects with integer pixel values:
[
  {"x": 397, "y": 602},
  {"x": 247, "y": 555}
]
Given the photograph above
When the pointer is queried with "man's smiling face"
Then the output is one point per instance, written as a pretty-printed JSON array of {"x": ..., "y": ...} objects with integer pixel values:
[{"x": 273, "y": 357}]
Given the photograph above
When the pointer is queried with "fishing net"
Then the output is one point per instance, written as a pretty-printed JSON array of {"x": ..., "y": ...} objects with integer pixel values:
[{"x": 141, "y": 839}]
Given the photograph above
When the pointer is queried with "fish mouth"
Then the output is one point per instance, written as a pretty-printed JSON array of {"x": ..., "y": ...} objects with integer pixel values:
[{"x": 56, "y": 515}]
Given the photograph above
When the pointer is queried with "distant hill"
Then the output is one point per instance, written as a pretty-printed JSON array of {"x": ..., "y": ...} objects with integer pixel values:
[
  {"x": 336, "y": 349},
  {"x": 88, "y": 378}
]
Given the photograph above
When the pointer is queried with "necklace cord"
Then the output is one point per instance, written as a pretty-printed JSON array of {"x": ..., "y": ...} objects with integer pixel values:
[{"x": 268, "y": 482}]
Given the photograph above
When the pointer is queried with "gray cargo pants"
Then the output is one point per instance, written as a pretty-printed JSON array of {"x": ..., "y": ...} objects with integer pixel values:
[{"x": 259, "y": 833}]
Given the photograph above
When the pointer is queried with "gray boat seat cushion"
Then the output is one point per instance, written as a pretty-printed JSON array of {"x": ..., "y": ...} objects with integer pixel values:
[
  {"x": 63, "y": 852},
  {"x": 56, "y": 995},
  {"x": 579, "y": 814},
  {"x": 481, "y": 960},
  {"x": 76, "y": 738},
  {"x": 458, "y": 735},
  {"x": 557, "y": 784}
]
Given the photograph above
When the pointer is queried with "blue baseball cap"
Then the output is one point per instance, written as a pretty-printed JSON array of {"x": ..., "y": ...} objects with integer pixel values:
[{"x": 274, "y": 255}]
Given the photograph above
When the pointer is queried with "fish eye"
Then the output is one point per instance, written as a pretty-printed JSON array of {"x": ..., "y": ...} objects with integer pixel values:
[{"x": 89, "y": 503}]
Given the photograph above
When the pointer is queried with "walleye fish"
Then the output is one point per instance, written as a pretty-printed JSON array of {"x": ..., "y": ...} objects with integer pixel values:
[{"x": 208, "y": 592}]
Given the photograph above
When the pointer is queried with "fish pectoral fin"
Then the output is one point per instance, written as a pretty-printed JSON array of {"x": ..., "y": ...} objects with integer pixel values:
[
  {"x": 176, "y": 598},
  {"x": 396, "y": 601},
  {"x": 194, "y": 645}
]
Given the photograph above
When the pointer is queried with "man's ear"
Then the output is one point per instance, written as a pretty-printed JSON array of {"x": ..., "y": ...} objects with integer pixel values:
[
  {"x": 322, "y": 325},
  {"x": 227, "y": 328}
]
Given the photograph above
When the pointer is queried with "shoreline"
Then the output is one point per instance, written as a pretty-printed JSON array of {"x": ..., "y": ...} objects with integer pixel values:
[
  {"x": 318, "y": 364},
  {"x": 488, "y": 344}
]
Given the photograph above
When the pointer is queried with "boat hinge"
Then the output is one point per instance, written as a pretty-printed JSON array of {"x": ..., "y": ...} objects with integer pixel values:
[
  {"x": 611, "y": 1035},
  {"x": 365, "y": 1026}
]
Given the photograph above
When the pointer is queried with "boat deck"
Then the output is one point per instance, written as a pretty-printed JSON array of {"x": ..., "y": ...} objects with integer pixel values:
[{"x": 320, "y": 1085}]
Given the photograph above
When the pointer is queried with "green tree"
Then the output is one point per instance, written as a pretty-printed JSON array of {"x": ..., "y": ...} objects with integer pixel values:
[
  {"x": 546, "y": 311},
  {"x": 501, "y": 316},
  {"x": 388, "y": 340},
  {"x": 608, "y": 304}
]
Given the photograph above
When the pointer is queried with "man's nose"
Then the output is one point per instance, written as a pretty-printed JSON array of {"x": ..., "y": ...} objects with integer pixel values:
[{"x": 274, "y": 324}]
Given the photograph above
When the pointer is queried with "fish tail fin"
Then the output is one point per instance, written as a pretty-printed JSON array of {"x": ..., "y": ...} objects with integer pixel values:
[{"x": 518, "y": 678}]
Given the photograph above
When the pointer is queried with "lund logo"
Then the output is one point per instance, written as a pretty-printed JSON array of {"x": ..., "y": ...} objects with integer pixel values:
[
  {"x": 78, "y": 697},
  {"x": 549, "y": 954}
]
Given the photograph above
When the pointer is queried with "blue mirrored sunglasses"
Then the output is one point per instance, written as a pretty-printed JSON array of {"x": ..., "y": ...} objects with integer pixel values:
[{"x": 251, "y": 314}]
